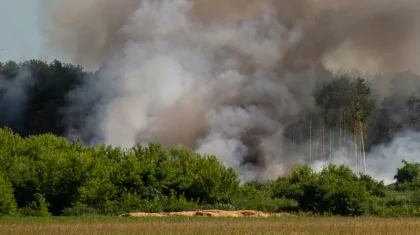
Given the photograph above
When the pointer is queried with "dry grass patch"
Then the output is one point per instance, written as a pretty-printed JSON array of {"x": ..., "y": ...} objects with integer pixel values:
[{"x": 208, "y": 213}]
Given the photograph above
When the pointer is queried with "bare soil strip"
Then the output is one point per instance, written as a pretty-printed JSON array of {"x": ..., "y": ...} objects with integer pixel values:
[{"x": 208, "y": 213}]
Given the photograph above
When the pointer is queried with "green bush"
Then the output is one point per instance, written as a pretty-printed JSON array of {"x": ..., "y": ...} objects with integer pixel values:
[
  {"x": 219, "y": 206},
  {"x": 79, "y": 210},
  {"x": 415, "y": 199},
  {"x": 407, "y": 173},
  {"x": 7, "y": 199},
  {"x": 335, "y": 190},
  {"x": 172, "y": 203},
  {"x": 48, "y": 175},
  {"x": 36, "y": 208},
  {"x": 347, "y": 198},
  {"x": 374, "y": 187},
  {"x": 268, "y": 205}
]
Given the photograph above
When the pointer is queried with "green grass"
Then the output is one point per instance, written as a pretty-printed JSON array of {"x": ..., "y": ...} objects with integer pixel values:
[{"x": 199, "y": 225}]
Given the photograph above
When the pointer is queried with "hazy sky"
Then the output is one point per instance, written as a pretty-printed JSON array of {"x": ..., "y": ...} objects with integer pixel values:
[{"x": 20, "y": 37}]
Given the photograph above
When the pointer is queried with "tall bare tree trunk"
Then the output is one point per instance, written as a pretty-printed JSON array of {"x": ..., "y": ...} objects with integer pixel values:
[
  {"x": 300, "y": 130},
  {"x": 412, "y": 114},
  {"x": 323, "y": 141},
  {"x": 330, "y": 152},
  {"x": 360, "y": 154},
  {"x": 363, "y": 146},
  {"x": 310, "y": 138},
  {"x": 293, "y": 133},
  {"x": 317, "y": 143},
  {"x": 343, "y": 146},
  {"x": 300, "y": 135},
  {"x": 340, "y": 144},
  {"x": 356, "y": 154},
  {"x": 344, "y": 128},
  {"x": 293, "y": 137}
]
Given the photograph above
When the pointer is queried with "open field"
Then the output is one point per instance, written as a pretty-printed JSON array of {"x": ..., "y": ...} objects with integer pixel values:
[{"x": 200, "y": 225}]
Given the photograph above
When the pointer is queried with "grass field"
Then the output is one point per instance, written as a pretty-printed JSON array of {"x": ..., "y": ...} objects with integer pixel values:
[{"x": 194, "y": 225}]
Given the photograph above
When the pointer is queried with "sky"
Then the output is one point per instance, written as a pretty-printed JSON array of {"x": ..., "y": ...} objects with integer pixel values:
[{"x": 20, "y": 36}]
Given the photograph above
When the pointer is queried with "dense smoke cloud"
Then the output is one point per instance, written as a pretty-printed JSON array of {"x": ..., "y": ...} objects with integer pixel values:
[
  {"x": 222, "y": 77},
  {"x": 380, "y": 35}
]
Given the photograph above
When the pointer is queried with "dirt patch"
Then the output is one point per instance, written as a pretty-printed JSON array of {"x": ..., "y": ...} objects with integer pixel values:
[{"x": 208, "y": 213}]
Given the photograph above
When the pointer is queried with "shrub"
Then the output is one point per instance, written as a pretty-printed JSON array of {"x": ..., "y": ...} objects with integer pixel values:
[
  {"x": 268, "y": 205},
  {"x": 172, "y": 203},
  {"x": 7, "y": 199},
  {"x": 36, "y": 208},
  {"x": 408, "y": 172},
  {"x": 79, "y": 209}
]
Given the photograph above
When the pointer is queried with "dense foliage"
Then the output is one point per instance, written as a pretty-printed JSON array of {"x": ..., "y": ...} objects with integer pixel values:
[
  {"x": 7, "y": 199},
  {"x": 45, "y": 174}
]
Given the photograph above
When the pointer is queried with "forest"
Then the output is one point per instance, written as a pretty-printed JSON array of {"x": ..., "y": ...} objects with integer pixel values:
[
  {"x": 44, "y": 173},
  {"x": 352, "y": 110}
]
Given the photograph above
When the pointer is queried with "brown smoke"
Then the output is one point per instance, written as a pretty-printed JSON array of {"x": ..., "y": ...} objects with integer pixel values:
[
  {"x": 380, "y": 30},
  {"x": 87, "y": 29}
]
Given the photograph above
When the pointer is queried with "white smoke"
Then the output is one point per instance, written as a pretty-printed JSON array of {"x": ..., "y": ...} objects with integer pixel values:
[{"x": 383, "y": 160}]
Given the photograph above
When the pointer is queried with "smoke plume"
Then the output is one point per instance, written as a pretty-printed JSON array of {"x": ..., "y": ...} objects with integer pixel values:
[
  {"x": 380, "y": 35},
  {"x": 223, "y": 77}
]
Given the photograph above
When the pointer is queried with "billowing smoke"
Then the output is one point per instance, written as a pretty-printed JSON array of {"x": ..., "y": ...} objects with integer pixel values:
[
  {"x": 13, "y": 99},
  {"x": 223, "y": 77},
  {"x": 376, "y": 35}
]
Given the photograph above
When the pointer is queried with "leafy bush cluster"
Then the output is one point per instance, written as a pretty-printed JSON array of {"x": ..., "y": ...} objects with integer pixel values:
[{"x": 47, "y": 175}]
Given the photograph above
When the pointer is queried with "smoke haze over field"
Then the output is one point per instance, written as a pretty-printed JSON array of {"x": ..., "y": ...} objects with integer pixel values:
[{"x": 223, "y": 77}]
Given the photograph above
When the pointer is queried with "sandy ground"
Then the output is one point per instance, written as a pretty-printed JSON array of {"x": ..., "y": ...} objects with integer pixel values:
[{"x": 208, "y": 213}]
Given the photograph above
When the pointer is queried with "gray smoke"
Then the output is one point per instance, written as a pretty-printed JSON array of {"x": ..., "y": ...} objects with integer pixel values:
[
  {"x": 13, "y": 98},
  {"x": 382, "y": 160},
  {"x": 222, "y": 77}
]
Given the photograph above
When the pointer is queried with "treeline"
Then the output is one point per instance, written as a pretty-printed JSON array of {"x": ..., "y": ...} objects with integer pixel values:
[
  {"x": 46, "y": 175},
  {"x": 353, "y": 113},
  {"x": 33, "y": 95},
  {"x": 352, "y": 116}
]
